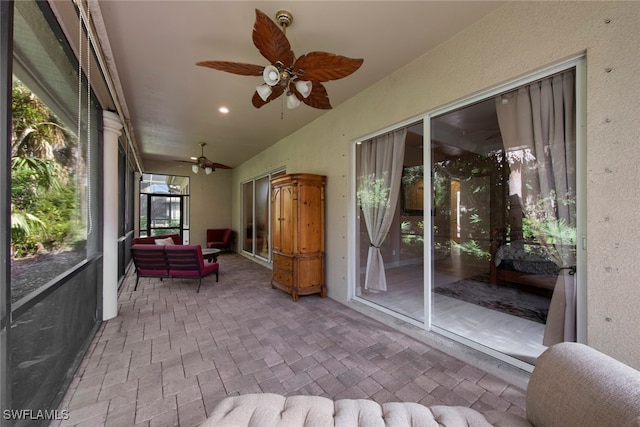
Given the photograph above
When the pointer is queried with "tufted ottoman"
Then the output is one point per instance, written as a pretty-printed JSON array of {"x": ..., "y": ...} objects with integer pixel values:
[
  {"x": 271, "y": 410},
  {"x": 572, "y": 385}
]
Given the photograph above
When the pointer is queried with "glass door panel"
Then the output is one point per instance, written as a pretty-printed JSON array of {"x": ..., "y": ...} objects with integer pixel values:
[
  {"x": 164, "y": 205},
  {"x": 247, "y": 216},
  {"x": 504, "y": 220},
  {"x": 402, "y": 249},
  {"x": 165, "y": 214},
  {"x": 262, "y": 217}
]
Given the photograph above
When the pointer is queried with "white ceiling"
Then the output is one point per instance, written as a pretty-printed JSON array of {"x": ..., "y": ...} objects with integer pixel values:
[{"x": 173, "y": 103}]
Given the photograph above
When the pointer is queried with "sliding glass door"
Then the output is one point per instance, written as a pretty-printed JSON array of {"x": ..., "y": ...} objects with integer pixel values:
[
  {"x": 480, "y": 244},
  {"x": 504, "y": 219},
  {"x": 256, "y": 211}
]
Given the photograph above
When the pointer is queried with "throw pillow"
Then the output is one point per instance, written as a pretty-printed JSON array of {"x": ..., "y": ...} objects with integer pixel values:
[{"x": 164, "y": 242}]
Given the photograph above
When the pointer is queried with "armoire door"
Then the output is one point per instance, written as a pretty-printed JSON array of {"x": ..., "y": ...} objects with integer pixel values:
[{"x": 283, "y": 219}]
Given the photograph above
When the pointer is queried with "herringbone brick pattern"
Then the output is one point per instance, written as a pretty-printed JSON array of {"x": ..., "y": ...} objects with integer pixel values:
[{"x": 172, "y": 354}]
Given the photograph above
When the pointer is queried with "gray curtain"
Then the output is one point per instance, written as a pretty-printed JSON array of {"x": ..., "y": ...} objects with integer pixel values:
[
  {"x": 538, "y": 125},
  {"x": 378, "y": 191}
]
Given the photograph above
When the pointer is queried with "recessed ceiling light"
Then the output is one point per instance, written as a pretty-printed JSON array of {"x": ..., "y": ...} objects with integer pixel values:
[{"x": 223, "y": 110}]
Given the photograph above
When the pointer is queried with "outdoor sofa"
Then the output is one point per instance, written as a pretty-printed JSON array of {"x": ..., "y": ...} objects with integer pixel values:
[{"x": 171, "y": 261}]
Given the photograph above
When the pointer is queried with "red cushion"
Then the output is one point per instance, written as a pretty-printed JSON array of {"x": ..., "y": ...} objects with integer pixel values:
[
  {"x": 205, "y": 268},
  {"x": 208, "y": 269}
]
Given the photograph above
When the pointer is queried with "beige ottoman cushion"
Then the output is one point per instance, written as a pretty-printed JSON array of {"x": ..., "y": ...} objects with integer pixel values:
[{"x": 272, "y": 410}]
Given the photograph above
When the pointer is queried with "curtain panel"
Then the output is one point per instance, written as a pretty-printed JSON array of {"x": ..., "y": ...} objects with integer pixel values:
[
  {"x": 381, "y": 163},
  {"x": 538, "y": 123}
]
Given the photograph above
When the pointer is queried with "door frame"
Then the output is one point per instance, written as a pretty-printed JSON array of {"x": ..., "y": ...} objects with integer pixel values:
[
  {"x": 149, "y": 228},
  {"x": 579, "y": 63}
]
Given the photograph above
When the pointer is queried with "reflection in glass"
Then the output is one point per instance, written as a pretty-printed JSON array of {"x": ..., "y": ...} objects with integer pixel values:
[
  {"x": 504, "y": 225},
  {"x": 402, "y": 249},
  {"x": 262, "y": 217},
  {"x": 50, "y": 215},
  {"x": 247, "y": 216}
]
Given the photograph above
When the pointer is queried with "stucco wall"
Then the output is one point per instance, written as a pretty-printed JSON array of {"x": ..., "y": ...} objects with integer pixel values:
[
  {"x": 214, "y": 189},
  {"x": 516, "y": 40}
]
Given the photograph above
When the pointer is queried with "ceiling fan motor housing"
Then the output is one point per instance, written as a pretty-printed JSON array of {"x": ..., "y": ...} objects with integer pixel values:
[{"x": 284, "y": 18}]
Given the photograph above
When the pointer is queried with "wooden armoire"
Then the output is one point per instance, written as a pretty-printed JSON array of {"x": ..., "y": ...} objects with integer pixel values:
[{"x": 297, "y": 234}]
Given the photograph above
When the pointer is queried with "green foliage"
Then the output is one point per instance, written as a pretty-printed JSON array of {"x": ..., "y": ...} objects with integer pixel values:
[
  {"x": 36, "y": 131},
  {"x": 43, "y": 195},
  {"x": 30, "y": 177},
  {"x": 553, "y": 231},
  {"x": 471, "y": 247},
  {"x": 55, "y": 210},
  {"x": 373, "y": 192},
  {"x": 24, "y": 222},
  {"x": 541, "y": 222},
  {"x": 412, "y": 232},
  {"x": 412, "y": 174}
]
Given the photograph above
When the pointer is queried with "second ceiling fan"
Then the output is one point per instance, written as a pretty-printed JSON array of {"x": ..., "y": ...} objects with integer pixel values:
[
  {"x": 203, "y": 163},
  {"x": 299, "y": 79}
]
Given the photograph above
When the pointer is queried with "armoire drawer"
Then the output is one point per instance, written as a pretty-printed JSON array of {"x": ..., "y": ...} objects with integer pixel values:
[
  {"x": 283, "y": 277},
  {"x": 282, "y": 262}
]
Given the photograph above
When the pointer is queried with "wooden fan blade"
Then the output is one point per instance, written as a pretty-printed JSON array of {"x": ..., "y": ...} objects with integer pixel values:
[
  {"x": 271, "y": 41},
  {"x": 221, "y": 166},
  {"x": 323, "y": 66},
  {"x": 258, "y": 102},
  {"x": 233, "y": 67},
  {"x": 318, "y": 98},
  {"x": 208, "y": 163}
]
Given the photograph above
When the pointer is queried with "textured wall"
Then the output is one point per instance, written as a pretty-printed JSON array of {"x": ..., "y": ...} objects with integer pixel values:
[{"x": 516, "y": 40}]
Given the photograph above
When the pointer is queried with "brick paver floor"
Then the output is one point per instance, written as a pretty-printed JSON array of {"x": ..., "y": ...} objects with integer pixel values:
[{"x": 172, "y": 354}]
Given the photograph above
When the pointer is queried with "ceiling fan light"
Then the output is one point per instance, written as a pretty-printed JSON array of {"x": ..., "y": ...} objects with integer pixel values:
[
  {"x": 195, "y": 168},
  {"x": 208, "y": 170},
  {"x": 264, "y": 91},
  {"x": 304, "y": 87},
  {"x": 271, "y": 75},
  {"x": 292, "y": 101}
]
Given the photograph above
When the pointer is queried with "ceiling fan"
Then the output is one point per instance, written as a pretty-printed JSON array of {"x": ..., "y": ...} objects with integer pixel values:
[
  {"x": 299, "y": 79},
  {"x": 202, "y": 162}
]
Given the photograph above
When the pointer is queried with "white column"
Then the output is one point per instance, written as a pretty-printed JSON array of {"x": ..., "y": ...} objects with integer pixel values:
[{"x": 111, "y": 131}]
